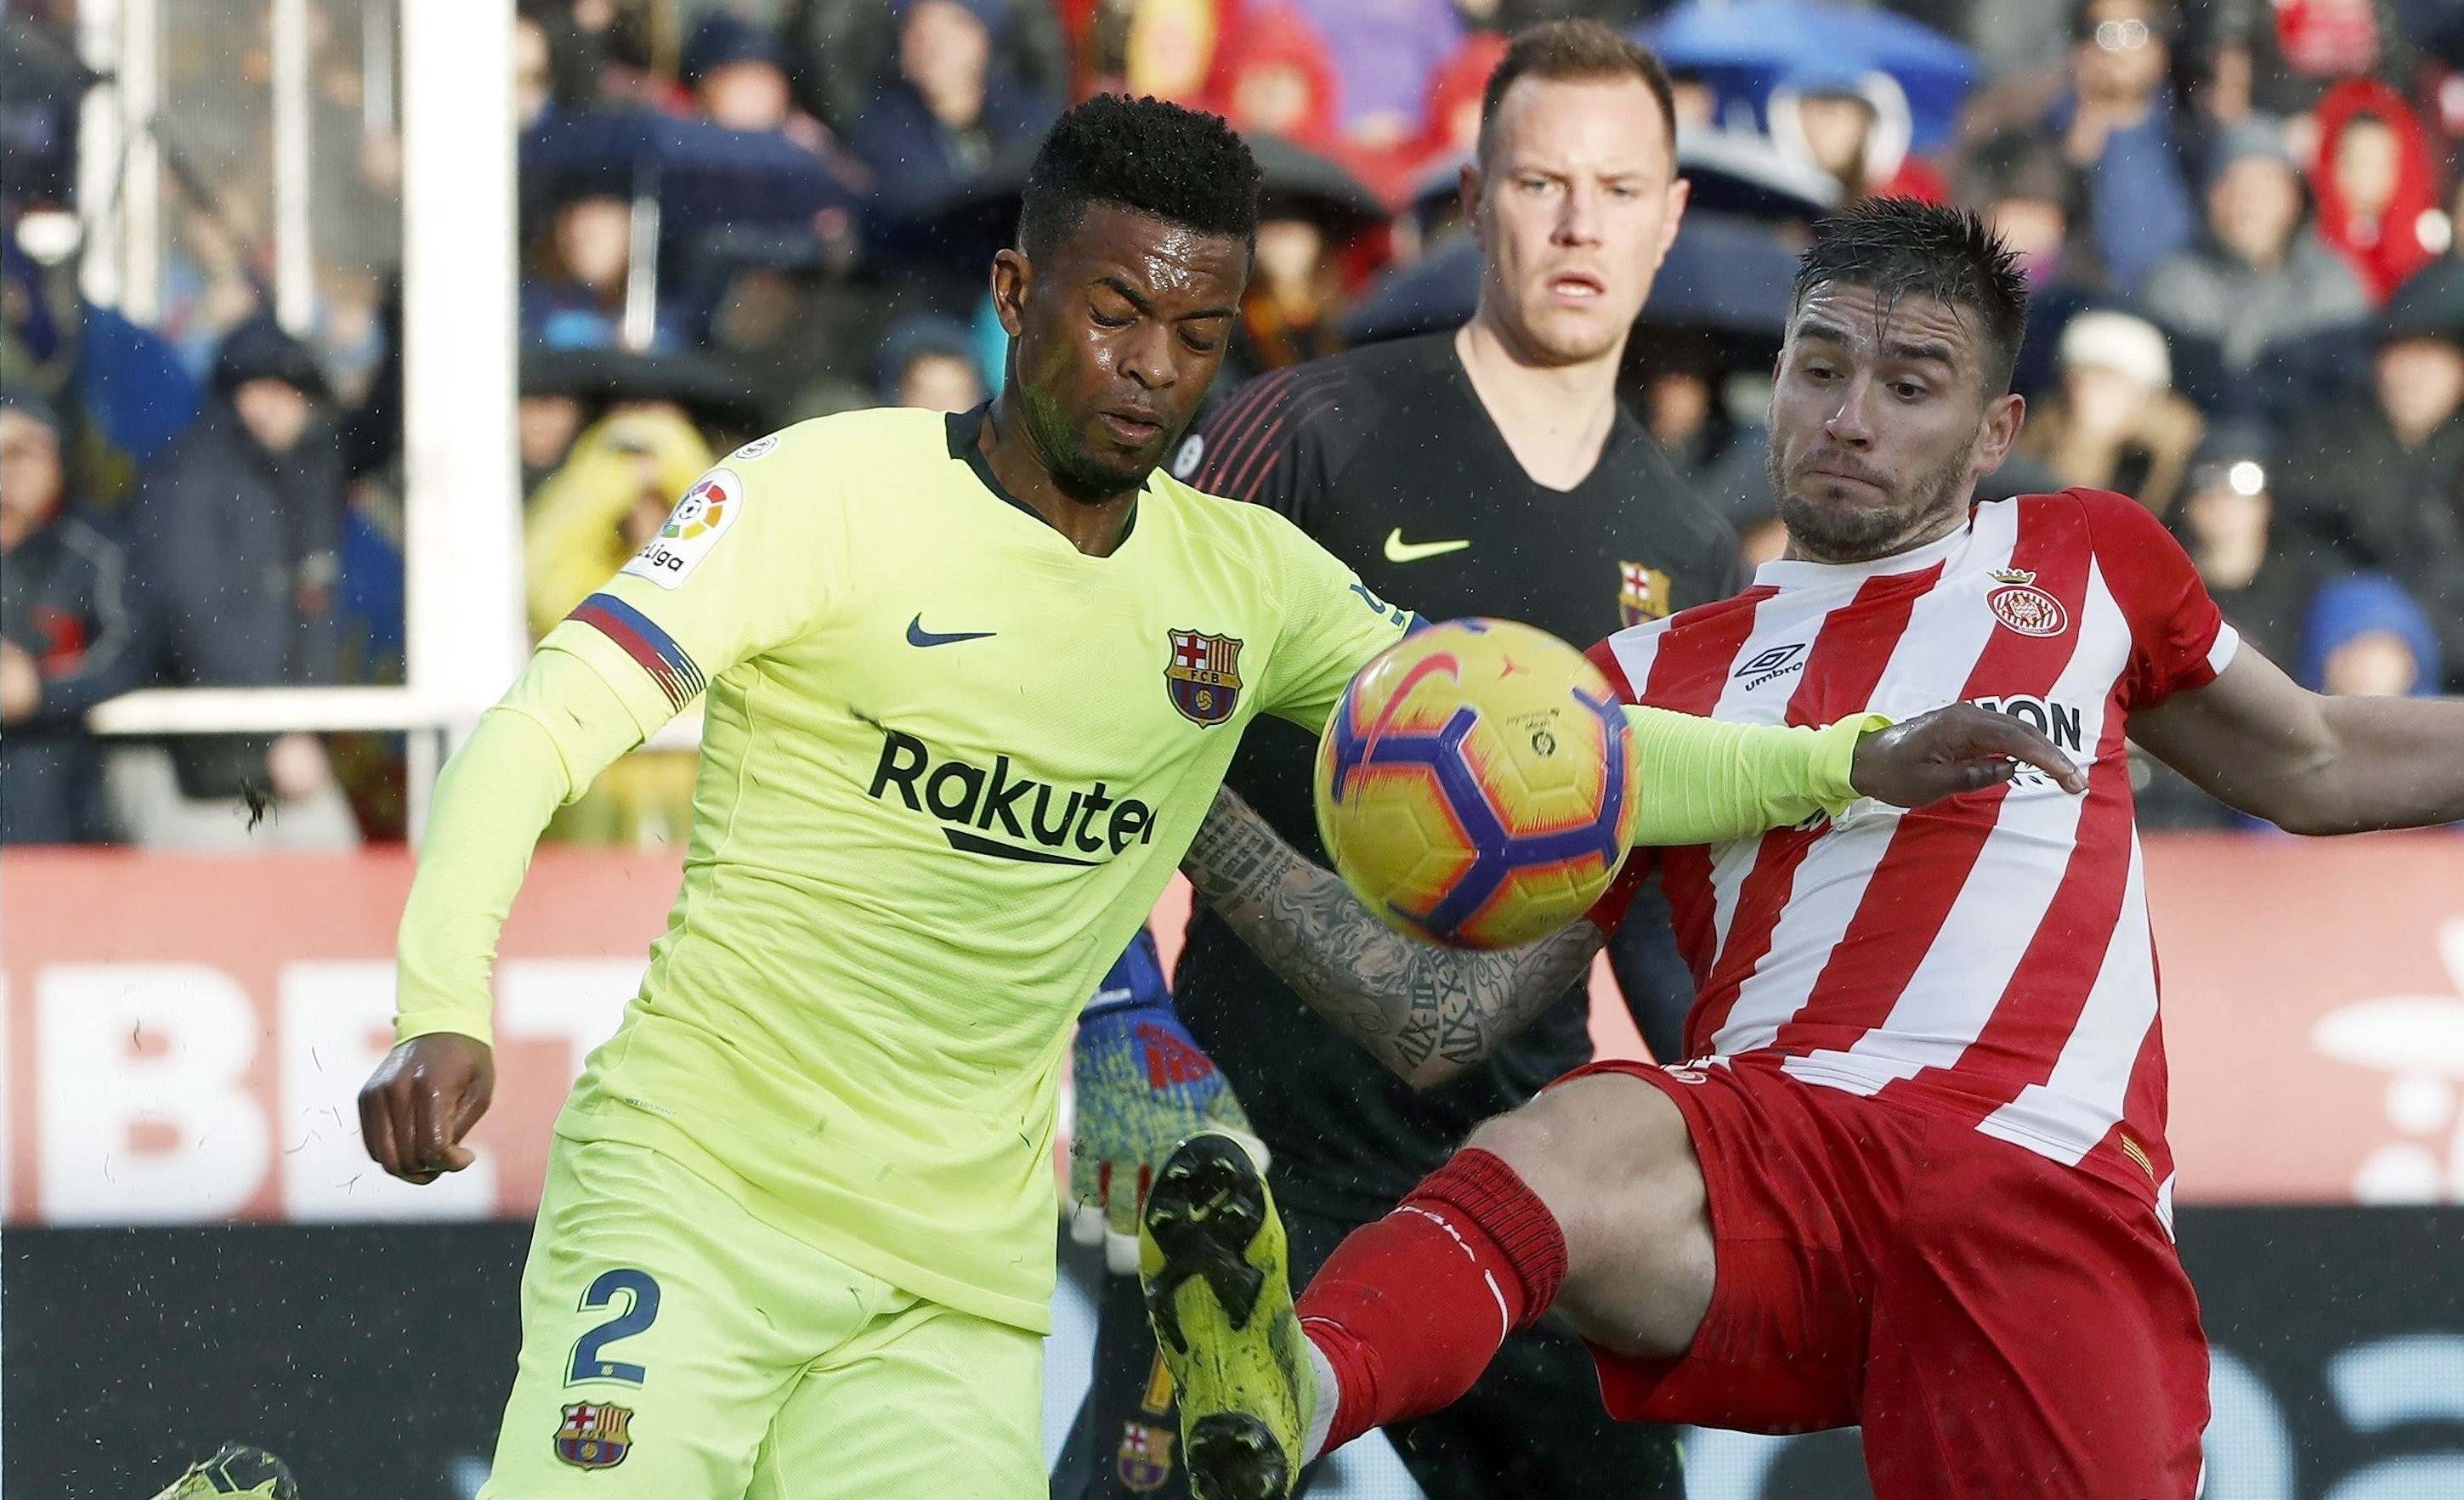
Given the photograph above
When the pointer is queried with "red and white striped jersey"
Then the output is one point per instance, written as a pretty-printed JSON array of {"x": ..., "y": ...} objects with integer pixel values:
[{"x": 1987, "y": 958}]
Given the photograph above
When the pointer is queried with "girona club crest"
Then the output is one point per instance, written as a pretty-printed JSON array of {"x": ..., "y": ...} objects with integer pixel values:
[
  {"x": 2020, "y": 605},
  {"x": 1203, "y": 675}
]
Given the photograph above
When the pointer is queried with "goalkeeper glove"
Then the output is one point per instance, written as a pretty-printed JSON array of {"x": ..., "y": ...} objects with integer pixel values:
[{"x": 1143, "y": 1087}]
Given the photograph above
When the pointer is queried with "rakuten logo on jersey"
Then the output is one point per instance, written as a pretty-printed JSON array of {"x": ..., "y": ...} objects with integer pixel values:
[{"x": 1009, "y": 817}]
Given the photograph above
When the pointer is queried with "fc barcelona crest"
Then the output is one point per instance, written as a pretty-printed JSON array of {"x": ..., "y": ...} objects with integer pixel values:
[
  {"x": 1145, "y": 1460},
  {"x": 1642, "y": 593},
  {"x": 594, "y": 1435},
  {"x": 1204, "y": 677}
]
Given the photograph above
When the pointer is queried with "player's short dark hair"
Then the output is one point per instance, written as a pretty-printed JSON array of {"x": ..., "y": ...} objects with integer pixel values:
[
  {"x": 1577, "y": 48},
  {"x": 1900, "y": 246},
  {"x": 1147, "y": 155}
]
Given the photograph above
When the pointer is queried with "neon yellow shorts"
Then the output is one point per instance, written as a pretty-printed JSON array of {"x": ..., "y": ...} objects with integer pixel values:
[{"x": 676, "y": 1347}]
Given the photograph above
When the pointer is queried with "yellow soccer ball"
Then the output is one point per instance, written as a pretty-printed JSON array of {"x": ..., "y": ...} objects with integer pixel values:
[{"x": 1476, "y": 784}]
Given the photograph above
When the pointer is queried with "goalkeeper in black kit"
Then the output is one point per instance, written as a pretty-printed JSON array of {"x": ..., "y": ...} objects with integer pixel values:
[{"x": 1485, "y": 471}]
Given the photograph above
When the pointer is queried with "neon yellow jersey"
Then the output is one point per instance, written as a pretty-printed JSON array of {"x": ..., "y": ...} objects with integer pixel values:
[{"x": 949, "y": 764}]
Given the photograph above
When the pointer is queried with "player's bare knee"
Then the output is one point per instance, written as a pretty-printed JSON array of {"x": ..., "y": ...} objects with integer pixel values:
[{"x": 1607, "y": 1154}]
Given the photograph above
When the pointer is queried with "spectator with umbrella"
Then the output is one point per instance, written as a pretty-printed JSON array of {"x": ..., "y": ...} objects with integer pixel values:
[
  {"x": 1743, "y": 49},
  {"x": 734, "y": 69},
  {"x": 837, "y": 50},
  {"x": 1309, "y": 207},
  {"x": 580, "y": 288},
  {"x": 675, "y": 179},
  {"x": 946, "y": 111},
  {"x": 1852, "y": 126},
  {"x": 788, "y": 315}
]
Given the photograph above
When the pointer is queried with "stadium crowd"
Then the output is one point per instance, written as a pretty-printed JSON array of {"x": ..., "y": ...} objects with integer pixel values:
[{"x": 2239, "y": 218}]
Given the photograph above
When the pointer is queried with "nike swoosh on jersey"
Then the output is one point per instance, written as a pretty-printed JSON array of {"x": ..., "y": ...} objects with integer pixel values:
[
  {"x": 917, "y": 636},
  {"x": 1397, "y": 550}
]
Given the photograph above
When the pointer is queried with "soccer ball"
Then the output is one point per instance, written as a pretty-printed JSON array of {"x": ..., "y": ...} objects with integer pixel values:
[{"x": 1476, "y": 784}]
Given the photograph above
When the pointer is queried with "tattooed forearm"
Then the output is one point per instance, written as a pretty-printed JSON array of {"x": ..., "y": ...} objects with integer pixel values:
[{"x": 1425, "y": 1012}]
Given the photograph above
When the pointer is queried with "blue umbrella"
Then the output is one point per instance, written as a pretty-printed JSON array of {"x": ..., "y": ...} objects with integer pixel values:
[
  {"x": 702, "y": 175},
  {"x": 1730, "y": 276},
  {"x": 1747, "y": 48}
]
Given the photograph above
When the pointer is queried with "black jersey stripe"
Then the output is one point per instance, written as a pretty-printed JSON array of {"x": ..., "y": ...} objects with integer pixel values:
[
  {"x": 1233, "y": 427},
  {"x": 1300, "y": 394}
]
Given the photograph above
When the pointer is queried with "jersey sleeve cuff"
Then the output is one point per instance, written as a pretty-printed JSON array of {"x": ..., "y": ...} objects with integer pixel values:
[
  {"x": 2221, "y": 654},
  {"x": 1834, "y": 760},
  {"x": 411, "y": 1023}
]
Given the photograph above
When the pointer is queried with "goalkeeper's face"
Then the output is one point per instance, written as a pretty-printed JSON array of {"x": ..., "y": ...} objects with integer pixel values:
[{"x": 1117, "y": 330}]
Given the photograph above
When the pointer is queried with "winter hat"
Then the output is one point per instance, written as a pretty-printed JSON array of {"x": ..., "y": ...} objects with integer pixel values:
[
  {"x": 2256, "y": 136},
  {"x": 258, "y": 349},
  {"x": 2358, "y": 605},
  {"x": 2103, "y": 338}
]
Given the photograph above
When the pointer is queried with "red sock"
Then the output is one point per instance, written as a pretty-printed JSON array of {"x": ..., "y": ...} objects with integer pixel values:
[{"x": 1410, "y": 1309}]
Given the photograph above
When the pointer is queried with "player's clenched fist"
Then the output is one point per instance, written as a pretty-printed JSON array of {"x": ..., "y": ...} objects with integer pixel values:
[
  {"x": 422, "y": 1100},
  {"x": 1959, "y": 748}
]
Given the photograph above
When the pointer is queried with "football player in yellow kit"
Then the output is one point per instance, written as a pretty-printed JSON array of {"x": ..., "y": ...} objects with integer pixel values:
[{"x": 972, "y": 684}]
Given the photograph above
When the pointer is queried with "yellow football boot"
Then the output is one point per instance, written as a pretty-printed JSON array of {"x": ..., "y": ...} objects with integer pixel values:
[
  {"x": 238, "y": 1470},
  {"x": 1219, "y": 1293}
]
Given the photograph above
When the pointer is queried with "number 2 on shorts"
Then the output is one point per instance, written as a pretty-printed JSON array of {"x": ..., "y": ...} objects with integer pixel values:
[{"x": 641, "y": 1309}]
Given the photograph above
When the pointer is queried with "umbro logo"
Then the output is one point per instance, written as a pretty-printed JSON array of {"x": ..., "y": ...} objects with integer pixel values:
[{"x": 1768, "y": 666}]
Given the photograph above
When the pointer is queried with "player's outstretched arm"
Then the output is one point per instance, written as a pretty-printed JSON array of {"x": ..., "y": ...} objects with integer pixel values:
[
  {"x": 540, "y": 748},
  {"x": 1706, "y": 781},
  {"x": 2258, "y": 741},
  {"x": 1428, "y": 1012},
  {"x": 1425, "y": 1012}
]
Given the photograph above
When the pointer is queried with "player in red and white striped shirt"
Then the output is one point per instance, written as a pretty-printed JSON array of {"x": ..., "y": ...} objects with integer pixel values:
[{"x": 1916, "y": 1175}]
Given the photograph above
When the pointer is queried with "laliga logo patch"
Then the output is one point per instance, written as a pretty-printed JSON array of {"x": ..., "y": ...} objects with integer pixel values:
[
  {"x": 2020, "y": 605},
  {"x": 694, "y": 527},
  {"x": 1184, "y": 463}
]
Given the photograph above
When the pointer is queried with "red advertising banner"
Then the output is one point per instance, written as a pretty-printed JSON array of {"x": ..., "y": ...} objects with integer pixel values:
[{"x": 182, "y": 1038}]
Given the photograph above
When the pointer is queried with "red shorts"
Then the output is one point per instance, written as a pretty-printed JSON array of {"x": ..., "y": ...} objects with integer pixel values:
[{"x": 1999, "y": 1324}]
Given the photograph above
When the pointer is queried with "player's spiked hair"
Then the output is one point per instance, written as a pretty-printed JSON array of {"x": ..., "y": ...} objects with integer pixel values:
[
  {"x": 1899, "y": 246},
  {"x": 1146, "y": 155}
]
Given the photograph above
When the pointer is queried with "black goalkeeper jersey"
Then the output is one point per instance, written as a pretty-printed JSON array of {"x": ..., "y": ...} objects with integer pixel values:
[{"x": 1387, "y": 457}]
